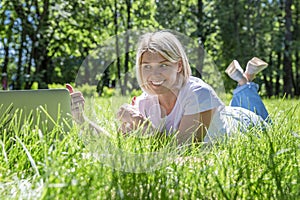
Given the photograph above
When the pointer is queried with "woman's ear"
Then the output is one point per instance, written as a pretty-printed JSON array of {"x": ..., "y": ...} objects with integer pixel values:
[{"x": 179, "y": 66}]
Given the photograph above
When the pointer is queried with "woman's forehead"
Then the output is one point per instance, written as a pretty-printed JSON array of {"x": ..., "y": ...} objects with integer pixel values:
[{"x": 152, "y": 57}]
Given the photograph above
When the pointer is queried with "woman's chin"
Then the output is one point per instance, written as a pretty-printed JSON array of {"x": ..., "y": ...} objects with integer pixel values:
[{"x": 159, "y": 89}]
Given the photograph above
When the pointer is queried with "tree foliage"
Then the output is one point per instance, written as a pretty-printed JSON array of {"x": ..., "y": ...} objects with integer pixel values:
[{"x": 47, "y": 41}]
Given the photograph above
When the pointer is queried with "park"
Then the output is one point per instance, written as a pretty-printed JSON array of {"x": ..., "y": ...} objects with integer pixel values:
[{"x": 92, "y": 45}]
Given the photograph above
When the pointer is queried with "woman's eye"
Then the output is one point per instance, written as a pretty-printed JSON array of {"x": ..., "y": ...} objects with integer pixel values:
[
  {"x": 147, "y": 67},
  {"x": 164, "y": 65}
]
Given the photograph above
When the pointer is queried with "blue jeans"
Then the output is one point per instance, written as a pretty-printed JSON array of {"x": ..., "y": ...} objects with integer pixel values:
[{"x": 246, "y": 96}]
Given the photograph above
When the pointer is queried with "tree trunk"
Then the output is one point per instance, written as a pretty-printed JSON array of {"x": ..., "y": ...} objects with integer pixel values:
[
  {"x": 236, "y": 13},
  {"x": 28, "y": 81},
  {"x": 20, "y": 57},
  {"x": 268, "y": 82},
  {"x": 297, "y": 56},
  {"x": 105, "y": 81},
  {"x": 6, "y": 46},
  {"x": 278, "y": 75},
  {"x": 127, "y": 45},
  {"x": 297, "y": 77},
  {"x": 4, "y": 77},
  {"x": 201, "y": 39},
  {"x": 117, "y": 46},
  {"x": 287, "y": 56}
]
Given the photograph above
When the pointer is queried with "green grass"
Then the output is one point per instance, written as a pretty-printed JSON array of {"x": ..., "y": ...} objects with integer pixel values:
[{"x": 36, "y": 164}]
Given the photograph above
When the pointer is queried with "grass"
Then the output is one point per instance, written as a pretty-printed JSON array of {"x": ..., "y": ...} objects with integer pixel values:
[{"x": 39, "y": 164}]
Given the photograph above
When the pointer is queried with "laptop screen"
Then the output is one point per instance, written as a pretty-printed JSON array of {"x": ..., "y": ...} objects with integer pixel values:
[{"x": 46, "y": 108}]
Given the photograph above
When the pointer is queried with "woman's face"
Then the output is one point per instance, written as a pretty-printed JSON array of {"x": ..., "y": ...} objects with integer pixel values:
[{"x": 159, "y": 74}]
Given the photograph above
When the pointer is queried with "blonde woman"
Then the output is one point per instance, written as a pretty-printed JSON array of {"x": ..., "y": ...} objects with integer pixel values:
[{"x": 175, "y": 102}]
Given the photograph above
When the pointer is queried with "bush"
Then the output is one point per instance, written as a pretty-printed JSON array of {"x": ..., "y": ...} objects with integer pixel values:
[
  {"x": 56, "y": 86},
  {"x": 108, "y": 92},
  {"x": 136, "y": 92},
  {"x": 35, "y": 85},
  {"x": 88, "y": 90}
]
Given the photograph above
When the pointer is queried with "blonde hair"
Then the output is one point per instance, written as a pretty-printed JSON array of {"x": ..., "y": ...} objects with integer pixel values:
[{"x": 168, "y": 46}]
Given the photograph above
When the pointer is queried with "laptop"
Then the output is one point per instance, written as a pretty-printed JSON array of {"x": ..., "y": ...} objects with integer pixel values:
[{"x": 46, "y": 108}]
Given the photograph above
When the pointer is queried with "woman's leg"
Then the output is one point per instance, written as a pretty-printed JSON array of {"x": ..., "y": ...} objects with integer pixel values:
[{"x": 246, "y": 96}]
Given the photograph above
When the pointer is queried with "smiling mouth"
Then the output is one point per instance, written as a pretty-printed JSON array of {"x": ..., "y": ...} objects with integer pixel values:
[{"x": 157, "y": 83}]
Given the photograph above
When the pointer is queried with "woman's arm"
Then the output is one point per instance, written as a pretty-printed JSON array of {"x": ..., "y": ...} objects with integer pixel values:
[
  {"x": 194, "y": 127},
  {"x": 132, "y": 119},
  {"x": 77, "y": 107}
]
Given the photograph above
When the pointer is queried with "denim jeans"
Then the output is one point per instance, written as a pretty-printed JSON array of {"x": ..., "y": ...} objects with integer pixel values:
[{"x": 246, "y": 96}]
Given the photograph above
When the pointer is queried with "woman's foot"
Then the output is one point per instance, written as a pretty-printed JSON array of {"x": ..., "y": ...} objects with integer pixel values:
[
  {"x": 254, "y": 66},
  {"x": 236, "y": 73}
]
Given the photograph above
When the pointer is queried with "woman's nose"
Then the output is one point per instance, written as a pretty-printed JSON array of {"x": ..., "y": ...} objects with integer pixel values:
[{"x": 156, "y": 71}]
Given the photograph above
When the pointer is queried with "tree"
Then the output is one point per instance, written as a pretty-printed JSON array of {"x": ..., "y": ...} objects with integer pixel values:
[
  {"x": 287, "y": 58},
  {"x": 47, "y": 41},
  {"x": 296, "y": 46},
  {"x": 6, "y": 35}
]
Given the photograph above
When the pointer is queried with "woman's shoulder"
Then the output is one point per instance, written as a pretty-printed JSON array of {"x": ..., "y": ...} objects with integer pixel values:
[
  {"x": 196, "y": 84},
  {"x": 197, "y": 87}
]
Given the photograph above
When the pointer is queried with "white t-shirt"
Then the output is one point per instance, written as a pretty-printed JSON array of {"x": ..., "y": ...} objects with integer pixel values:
[{"x": 194, "y": 97}]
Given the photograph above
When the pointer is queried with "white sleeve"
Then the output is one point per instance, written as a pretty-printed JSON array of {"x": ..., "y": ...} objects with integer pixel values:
[
  {"x": 140, "y": 104},
  {"x": 200, "y": 99}
]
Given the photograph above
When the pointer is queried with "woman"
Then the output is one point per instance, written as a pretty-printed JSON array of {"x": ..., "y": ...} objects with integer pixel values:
[{"x": 176, "y": 102}]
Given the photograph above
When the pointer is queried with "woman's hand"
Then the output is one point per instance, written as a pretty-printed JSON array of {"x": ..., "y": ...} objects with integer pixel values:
[
  {"x": 77, "y": 104},
  {"x": 130, "y": 117}
]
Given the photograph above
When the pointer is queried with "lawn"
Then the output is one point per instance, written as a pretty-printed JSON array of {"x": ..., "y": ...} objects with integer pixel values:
[{"x": 79, "y": 164}]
